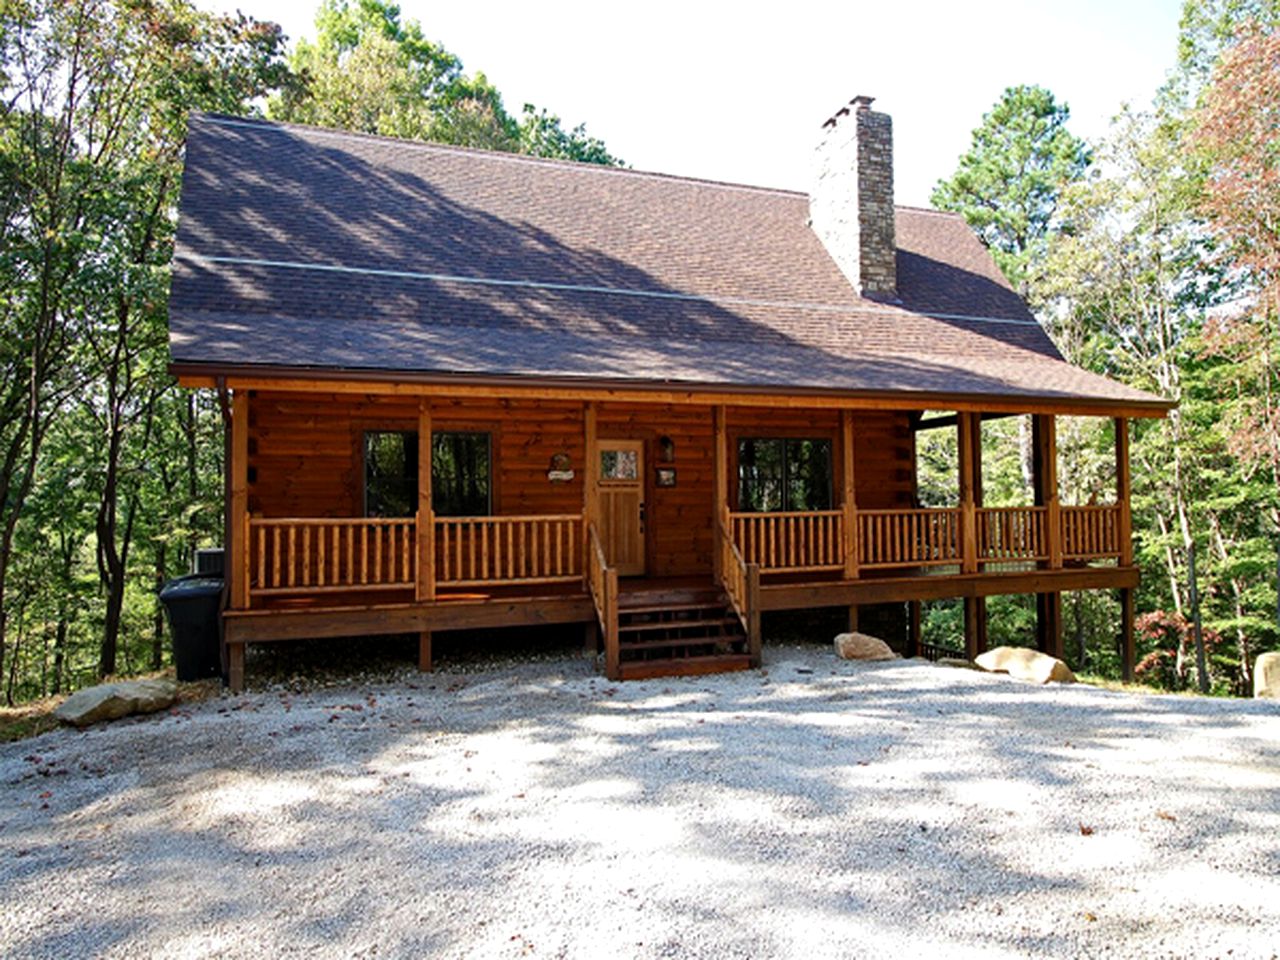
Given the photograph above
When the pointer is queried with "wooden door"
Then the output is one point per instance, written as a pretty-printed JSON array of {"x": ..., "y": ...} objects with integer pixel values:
[{"x": 620, "y": 504}]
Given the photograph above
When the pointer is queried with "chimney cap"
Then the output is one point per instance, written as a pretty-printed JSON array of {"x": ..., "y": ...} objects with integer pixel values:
[{"x": 859, "y": 103}]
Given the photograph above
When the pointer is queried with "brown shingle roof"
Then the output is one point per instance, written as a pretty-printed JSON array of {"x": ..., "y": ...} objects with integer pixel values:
[{"x": 308, "y": 248}]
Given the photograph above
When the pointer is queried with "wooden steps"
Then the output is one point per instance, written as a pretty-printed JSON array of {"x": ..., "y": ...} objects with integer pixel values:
[{"x": 679, "y": 631}]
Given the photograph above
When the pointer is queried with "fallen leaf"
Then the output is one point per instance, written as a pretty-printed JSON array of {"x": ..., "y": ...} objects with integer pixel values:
[
  {"x": 1091, "y": 917},
  {"x": 1086, "y": 831},
  {"x": 1165, "y": 815}
]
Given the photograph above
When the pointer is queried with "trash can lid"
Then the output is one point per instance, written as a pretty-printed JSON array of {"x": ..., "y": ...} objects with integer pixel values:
[{"x": 191, "y": 586}]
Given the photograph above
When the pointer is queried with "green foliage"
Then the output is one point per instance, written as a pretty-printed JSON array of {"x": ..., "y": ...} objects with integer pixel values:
[
  {"x": 367, "y": 70},
  {"x": 1008, "y": 184},
  {"x": 96, "y": 461}
]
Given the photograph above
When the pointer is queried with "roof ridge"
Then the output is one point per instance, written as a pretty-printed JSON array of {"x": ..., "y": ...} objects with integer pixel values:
[
  {"x": 228, "y": 120},
  {"x": 937, "y": 213}
]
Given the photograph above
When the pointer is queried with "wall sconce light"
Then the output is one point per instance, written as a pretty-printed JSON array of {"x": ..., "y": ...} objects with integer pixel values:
[{"x": 666, "y": 450}]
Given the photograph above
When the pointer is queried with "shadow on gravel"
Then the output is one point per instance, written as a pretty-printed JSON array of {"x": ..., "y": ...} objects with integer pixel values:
[{"x": 422, "y": 818}]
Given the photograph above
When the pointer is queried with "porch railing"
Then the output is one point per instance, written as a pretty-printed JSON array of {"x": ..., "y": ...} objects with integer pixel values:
[
  {"x": 920, "y": 537},
  {"x": 297, "y": 555},
  {"x": 478, "y": 551},
  {"x": 795, "y": 541},
  {"x": 1091, "y": 532},
  {"x": 602, "y": 582},
  {"x": 306, "y": 555},
  {"x": 740, "y": 579},
  {"x": 1013, "y": 533},
  {"x": 924, "y": 537}
]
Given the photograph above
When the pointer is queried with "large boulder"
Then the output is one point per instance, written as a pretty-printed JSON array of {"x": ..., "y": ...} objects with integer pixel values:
[
  {"x": 110, "y": 701},
  {"x": 1023, "y": 664},
  {"x": 862, "y": 646},
  {"x": 1266, "y": 675}
]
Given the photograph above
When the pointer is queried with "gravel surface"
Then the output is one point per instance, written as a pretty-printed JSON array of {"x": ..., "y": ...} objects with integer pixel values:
[{"x": 814, "y": 809}]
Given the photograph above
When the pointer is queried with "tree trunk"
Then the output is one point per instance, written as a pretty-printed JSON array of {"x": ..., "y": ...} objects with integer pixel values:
[
  {"x": 157, "y": 636},
  {"x": 1202, "y": 667},
  {"x": 1077, "y": 607},
  {"x": 59, "y": 654}
]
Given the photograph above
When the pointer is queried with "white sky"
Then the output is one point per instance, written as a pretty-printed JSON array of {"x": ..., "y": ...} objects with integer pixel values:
[{"x": 738, "y": 91}]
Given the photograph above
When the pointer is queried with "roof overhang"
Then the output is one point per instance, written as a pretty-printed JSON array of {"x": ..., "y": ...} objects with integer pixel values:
[{"x": 425, "y": 383}]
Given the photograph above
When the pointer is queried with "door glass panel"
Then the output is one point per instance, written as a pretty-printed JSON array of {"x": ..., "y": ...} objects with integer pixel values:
[{"x": 619, "y": 465}]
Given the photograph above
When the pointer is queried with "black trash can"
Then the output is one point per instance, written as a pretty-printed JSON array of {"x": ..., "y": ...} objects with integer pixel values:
[{"x": 193, "y": 602}]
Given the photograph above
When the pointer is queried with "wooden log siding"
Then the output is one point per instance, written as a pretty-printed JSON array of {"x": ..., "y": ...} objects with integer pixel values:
[
  {"x": 796, "y": 541},
  {"x": 1092, "y": 532},
  {"x": 1012, "y": 533},
  {"x": 474, "y": 551},
  {"x": 306, "y": 555},
  {"x": 917, "y": 537}
]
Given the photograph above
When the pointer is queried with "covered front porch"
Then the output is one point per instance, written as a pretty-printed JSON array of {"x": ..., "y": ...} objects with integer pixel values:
[{"x": 630, "y": 528}]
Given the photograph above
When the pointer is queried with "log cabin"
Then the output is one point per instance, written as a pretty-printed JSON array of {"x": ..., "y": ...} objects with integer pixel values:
[{"x": 466, "y": 389}]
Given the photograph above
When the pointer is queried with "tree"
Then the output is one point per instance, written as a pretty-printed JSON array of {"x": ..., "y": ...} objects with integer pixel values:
[
  {"x": 1235, "y": 136},
  {"x": 1008, "y": 184},
  {"x": 91, "y": 139},
  {"x": 368, "y": 70},
  {"x": 1205, "y": 30}
]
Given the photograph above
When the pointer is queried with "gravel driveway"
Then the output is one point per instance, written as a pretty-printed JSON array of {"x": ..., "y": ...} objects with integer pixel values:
[{"x": 815, "y": 809}]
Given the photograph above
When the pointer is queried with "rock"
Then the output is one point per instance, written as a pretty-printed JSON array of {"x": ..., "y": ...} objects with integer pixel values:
[
  {"x": 862, "y": 646},
  {"x": 1266, "y": 675},
  {"x": 1023, "y": 664},
  {"x": 110, "y": 701}
]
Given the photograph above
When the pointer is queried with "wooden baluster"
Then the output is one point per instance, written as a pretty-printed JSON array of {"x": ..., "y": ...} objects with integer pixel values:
[
  {"x": 406, "y": 571},
  {"x": 470, "y": 550},
  {"x": 442, "y": 538},
  {"x": 262, "y": 557},
  {"x": 292, "y": 564},
  {"x": 510, "y": 548}
]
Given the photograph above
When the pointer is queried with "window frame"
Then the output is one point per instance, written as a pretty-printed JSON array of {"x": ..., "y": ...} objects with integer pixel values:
[
  {"x": 361, "y": 429},
  {"x": 736, "y": 438}
]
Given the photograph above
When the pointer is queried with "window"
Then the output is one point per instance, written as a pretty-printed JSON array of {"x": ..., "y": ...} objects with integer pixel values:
[
  {"x": 390, "y": 473},
  {"x": 459, "y": 474},
  {"x": 782, "y": 473}
]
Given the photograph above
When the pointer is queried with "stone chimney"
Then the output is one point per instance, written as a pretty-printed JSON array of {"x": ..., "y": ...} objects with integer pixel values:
[{"x": 851, "y": 204}]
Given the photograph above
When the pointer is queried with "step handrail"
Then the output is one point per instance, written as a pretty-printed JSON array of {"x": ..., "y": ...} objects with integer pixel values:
[
  {"x": 741, "y": 583},
  {"x": 602, "y": 581}
]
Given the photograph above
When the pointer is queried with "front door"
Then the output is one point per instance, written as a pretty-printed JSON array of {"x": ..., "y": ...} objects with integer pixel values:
[{"x": 620, "y": 500}]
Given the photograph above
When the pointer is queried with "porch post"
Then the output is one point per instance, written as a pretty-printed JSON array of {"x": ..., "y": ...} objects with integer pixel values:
[
  {"x": 426, "y": 517},
  {"x": 720, "y": 456},
  {"x": 975, "y": 608},
  {"x": 426, "y": 579},
  {"x": 1124, "y": 492},
  {"x": 850, "y": 504},
  {"x": 591, "y": 465},
  {"x": 237, "y": 546},
  {"x": 1045, "y": 476},
  {"x": 968, "y": 515}
]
